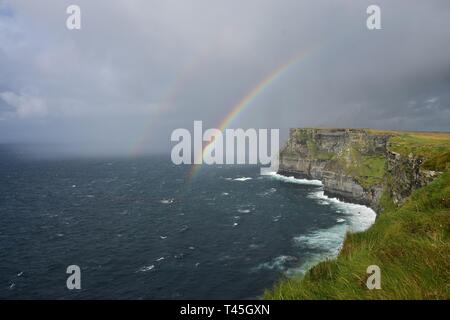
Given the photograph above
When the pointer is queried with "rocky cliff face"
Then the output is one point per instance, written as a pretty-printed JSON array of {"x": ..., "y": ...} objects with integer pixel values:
[
  {"x": 353, "y": 164},
  {"x": 404, "y": 175}
]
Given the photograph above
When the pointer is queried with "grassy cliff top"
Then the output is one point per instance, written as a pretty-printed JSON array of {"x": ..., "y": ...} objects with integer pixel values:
[
  {"x": 410, "y": 244},
  {"x": 417, "y": 143},
  {"x": 433, "y": 147}
]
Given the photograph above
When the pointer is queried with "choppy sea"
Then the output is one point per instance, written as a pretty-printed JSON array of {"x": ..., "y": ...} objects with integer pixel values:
[{"x": 142, "y": 228}]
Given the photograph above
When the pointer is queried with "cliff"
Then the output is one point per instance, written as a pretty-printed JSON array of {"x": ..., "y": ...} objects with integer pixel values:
[
  {"x": 409, "y": 241},
  {"x": 362, "y": 165}
]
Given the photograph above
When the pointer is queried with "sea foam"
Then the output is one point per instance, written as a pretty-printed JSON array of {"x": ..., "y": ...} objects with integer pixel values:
[
  {"x": 279, "y": 263},
  {"x": 326, "y": 243},
  {"x": 146, "y": 268},
  {"x": 280, "y": 177},
  {"x": 360, "y": 217},
  {"x": 243, "y": 179}
]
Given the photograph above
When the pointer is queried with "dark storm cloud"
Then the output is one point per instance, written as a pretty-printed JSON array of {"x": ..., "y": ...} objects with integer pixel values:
[{"x": 139, "y": 69}]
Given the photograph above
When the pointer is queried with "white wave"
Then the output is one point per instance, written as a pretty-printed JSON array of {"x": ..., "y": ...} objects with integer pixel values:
[
  {"x": 329, "y": 240},
  {"x": 243, "y": 210},
  {"x": 225, "y": 193},
  {"x": 184, "y": 228},
  {"x": 146, "y": 268},
  {"x": 163, "y": 237},
  {"x": 326, "y": 243},
  {"x": 160, "y": 259},
  {"x": 291, "y": 179},
  {"x": 268, "y": 192},
  {"x": 235, "y": 224},
  {"x": 320, "y": 245},
  {"x": 167, "y": 201},
  {"x": 360, "y": 217},
  {"x": 243, "y": 179},
  {"x": 278, "y": 263}
]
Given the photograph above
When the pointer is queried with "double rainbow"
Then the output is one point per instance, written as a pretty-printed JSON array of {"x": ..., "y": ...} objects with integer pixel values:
[{"x": 247, "y": 100}]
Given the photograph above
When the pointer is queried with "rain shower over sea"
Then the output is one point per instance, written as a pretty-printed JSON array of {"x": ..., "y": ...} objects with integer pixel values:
[{"x": 139, "y": 228}]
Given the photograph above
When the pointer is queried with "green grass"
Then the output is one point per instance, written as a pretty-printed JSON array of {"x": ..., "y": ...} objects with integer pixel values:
[
  {"x": 315, "y": 153},
  {"x": 369, "y": 171},
  {"x": 434, "y": 147},
  {"x": 438, "y": 162},
  {"x": 300, "y": 134},
  {"x": 409, "y": 243}
]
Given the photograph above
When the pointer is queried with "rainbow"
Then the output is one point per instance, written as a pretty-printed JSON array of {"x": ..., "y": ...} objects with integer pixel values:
[
  {"x": 274, "y": 75},
  {"x": 169, "y": 98}
]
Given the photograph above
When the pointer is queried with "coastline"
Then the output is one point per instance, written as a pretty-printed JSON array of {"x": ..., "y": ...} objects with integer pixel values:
[
  {"x": 340, "y": 196},
  {"x": 358, "y": 210},
  {"x": 408, "y": 242}
]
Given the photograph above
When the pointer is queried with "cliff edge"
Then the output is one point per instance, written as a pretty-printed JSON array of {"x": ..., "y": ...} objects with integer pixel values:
[
  {"x": 364, "y": 165},
  {"x": 390, "y": 171}
]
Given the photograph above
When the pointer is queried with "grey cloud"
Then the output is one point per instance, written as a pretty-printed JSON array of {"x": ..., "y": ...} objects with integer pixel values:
[
  {"x": 24, "y": 106},
  {"x": 139, "y": 69}
]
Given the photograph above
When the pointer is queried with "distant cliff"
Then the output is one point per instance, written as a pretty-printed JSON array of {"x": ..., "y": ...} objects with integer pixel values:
[{"x": 361, "y": 165}]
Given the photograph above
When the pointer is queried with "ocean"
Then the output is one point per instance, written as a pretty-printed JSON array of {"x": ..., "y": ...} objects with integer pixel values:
[{"x": 142, "y": 228}]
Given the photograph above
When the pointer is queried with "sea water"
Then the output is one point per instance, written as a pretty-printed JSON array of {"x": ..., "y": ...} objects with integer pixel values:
[{"x": 143, "y": 228}]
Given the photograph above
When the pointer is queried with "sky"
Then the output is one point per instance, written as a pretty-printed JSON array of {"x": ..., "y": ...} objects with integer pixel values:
[{"x": 137, "y": 70}]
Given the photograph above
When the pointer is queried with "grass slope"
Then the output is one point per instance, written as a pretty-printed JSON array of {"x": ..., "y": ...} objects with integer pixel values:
[
  {"x": 432, "y": 146},
  {"x": 409, "y": 243}
]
